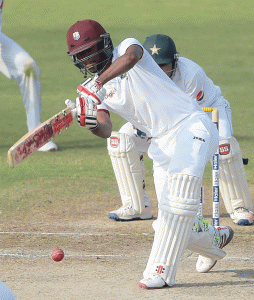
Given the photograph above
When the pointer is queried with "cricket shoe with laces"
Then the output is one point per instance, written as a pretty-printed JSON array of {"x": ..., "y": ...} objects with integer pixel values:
[
  {"x": 154, "y": 281},
  {"x": 242, "y": 216},
  {"x": 127, "y": 213},
  {"x": 222, "y": 236},
  {"x": 50, "y": 146}
]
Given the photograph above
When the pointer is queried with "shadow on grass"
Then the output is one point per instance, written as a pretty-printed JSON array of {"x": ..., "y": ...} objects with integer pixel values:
[
  {"x": 210, "y": 284},
  {"x": 83, "y": 144},
  {"x": 73, "y": 144}
]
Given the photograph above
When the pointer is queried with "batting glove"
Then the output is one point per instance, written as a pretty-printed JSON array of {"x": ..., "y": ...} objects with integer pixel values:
[
  {"x": 72, "y": 106},
  {"x": 86, "y": 113},
  {"x": 93, "y": 90}
]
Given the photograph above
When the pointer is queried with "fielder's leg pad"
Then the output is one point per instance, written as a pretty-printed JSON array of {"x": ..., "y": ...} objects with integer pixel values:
[
  {"x": 128, "y": 170},
  {"x": 233, "y": 184}
]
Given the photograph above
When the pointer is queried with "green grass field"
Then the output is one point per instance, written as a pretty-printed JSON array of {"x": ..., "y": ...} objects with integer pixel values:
[{"x": 216, "y": 34}]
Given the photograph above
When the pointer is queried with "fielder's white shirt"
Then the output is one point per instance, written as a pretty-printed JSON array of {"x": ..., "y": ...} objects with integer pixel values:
[
  {"x": 192, "y": 79},
  {"x": 146, "y": 97}
]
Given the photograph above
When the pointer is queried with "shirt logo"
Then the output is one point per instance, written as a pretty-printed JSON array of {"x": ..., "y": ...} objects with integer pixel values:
[
  {"x": 198, "y": 138},
  {"x": 76, "y": 36},
  {"x": 111, "y": 93},
  {"x": 200, "y": 96},
  {"x": 155, "y": 50},
  {"x": 224, "y": 149}
]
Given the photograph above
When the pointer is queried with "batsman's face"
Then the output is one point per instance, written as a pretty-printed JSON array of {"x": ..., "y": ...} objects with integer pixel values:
[
  {"x": 167, "y": 69},
  {"x": 90, "y": 59}
]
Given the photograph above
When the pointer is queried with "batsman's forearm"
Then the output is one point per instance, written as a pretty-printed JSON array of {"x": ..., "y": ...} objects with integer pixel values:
[
  {"x": 122, "y": 64},
  {"x": 103, "y": 130},
  {"x": 119, "y": 66}
]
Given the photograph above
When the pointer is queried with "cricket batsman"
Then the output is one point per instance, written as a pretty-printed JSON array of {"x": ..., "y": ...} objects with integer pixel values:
[{"x": 127, "y": 81}]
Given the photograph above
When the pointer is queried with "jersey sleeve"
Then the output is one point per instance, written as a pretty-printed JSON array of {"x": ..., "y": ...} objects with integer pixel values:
[{"x": 125, "y": 44}]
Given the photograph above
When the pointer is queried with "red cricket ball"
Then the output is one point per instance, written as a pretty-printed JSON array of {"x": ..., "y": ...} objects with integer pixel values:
[{"x": 57, "y": 254}]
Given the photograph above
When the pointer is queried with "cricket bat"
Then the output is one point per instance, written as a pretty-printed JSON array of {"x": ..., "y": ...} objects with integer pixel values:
[{"x": 39, "y": 136}]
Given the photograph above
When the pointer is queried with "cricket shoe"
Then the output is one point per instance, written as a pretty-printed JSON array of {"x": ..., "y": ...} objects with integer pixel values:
[
  {"x": 242, "y": 216},
  {"x": 50, "y": 146},
  {"x": 155, "y": 281},
  {"x": 127, "y": 213},
  {"x": 223, "y": 235}
]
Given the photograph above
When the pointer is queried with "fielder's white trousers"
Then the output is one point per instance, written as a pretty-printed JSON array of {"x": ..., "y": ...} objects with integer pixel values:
[{"x": 17, "y": 64}]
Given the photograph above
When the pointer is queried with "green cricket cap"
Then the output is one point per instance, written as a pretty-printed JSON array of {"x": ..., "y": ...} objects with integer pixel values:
[{"x": 161, "y": 47}]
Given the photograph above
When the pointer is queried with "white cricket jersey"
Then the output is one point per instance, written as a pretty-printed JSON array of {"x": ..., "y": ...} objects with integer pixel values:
[
  {"x": 146, "y": 97},
  {"x": 192, "y": 79}
]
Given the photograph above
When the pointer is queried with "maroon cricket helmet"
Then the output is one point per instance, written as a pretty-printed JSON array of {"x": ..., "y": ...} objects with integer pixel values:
[{"x": 84, "y": 35}]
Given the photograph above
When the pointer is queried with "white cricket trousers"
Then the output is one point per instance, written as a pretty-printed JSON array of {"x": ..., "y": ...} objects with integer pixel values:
[{"x": 184, "y": 150}]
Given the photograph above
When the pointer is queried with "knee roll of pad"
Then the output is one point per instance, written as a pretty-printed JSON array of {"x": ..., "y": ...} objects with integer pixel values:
[{"x": 181, "y": 195}]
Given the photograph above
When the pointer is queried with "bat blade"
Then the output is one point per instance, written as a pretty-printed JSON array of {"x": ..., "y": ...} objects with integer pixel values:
[{"x": 39, "y": 136}]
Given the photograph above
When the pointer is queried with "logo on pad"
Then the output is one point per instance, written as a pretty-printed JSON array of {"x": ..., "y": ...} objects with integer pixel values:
[
  {"x": 224, "y": 149},
  {"x": 160, "y": 269},
  {"x": 114, "y": 142}
]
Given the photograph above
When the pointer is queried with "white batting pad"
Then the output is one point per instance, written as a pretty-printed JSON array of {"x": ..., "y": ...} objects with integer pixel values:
[
  {"x": 177, "y": 210},
  {"x": 233, "y": 184},
  {"x": 180, "y": 194},
  {"x": 128, "y": 170}
]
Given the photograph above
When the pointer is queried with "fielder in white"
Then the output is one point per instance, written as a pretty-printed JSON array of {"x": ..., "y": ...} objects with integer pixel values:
[
  {"x": 129, "y": 82},
  {"x": 17, "y": 64},
  {"x": 191, "y": 79}
]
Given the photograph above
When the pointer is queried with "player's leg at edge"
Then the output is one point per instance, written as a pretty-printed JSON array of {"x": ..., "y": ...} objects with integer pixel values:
[
  {"x": 28, "y": 80},
  {"x": 235, "y": 193},
  {"x": 220, "y": 235},
  {"x": 233, "y": 183},
  {"x": 128, "y": 167},
  {"x": 176, "y": 218},
  {"x": 204, "y": 239}
]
